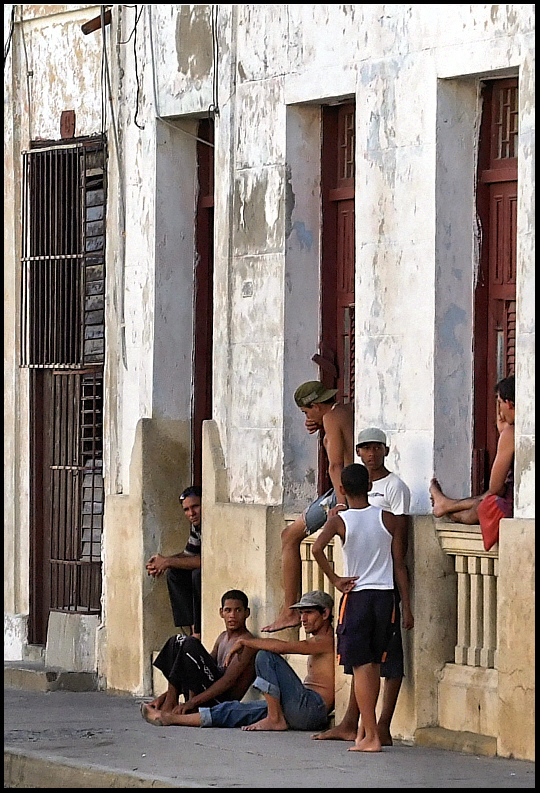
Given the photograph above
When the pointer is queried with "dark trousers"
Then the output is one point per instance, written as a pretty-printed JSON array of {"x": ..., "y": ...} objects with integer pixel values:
[
  {"x": 185, "y": 596},
  {"x": 188, "y": 666}
]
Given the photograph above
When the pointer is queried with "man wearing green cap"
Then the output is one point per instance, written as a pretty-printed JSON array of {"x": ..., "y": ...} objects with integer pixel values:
[{"x": 335, "y": 421}]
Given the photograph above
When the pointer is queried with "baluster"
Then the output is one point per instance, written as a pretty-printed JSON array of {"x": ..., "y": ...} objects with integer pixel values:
[
  {"x": 306, "y": 566},
  {"x": 312, "y": 575},
  {"x": 463, "y": 610},
  {"x": 477, "y": 611},
  {"x": 487, "y": 655}
]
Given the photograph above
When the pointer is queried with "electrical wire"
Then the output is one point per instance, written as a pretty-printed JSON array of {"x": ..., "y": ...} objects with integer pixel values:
[
  {"x": 7, "y": 45},
  {"x": 103, "y": 78},
  {"x": 214, "y": 107},
  {"x": 29, "y": 74},
  {"x": 137, "y": 17},
  {"x": 122, "y": 207},
  {"x": 134, "y": 34}
]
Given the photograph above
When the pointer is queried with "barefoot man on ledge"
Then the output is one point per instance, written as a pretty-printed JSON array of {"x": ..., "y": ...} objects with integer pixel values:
[{"x": 335, "y": 424}]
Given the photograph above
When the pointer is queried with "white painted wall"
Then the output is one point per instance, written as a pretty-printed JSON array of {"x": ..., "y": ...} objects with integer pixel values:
[
  {"x": 414, "y": 72},
  {"x": 301, "y": 296}
]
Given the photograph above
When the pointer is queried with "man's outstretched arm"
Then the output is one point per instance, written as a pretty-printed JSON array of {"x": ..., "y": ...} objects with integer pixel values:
[
  {"x": 232, "y": 673},
  {"x": 310, "y": 646}
]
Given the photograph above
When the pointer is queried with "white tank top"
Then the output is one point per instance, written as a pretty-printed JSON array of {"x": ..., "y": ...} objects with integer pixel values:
[{"x": 367, "y": 549}]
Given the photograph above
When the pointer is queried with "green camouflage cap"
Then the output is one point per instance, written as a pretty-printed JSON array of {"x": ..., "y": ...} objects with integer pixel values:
[{"x": 312, "y": 391}]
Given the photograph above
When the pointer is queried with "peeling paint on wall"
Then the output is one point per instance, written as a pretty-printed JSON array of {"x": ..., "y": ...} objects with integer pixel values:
[
  {"x": 454, "y": 318},
  {"x": 194, "y": 41}
]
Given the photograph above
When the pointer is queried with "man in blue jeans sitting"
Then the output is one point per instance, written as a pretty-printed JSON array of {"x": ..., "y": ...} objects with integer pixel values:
[{"x": 288, "y": 703}]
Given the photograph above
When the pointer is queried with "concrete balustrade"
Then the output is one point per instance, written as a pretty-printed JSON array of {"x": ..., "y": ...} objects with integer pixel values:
[{"x": 477, "y": 571}]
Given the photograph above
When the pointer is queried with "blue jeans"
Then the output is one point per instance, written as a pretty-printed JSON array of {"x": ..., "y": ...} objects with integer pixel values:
[
  {"x": 303, "y": 708},
  {"x": 233, "y": 713},
  {"x": 316, "y": 514}
]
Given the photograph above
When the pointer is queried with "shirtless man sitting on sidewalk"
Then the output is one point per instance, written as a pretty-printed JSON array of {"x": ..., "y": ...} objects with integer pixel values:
[
  {"x": 336, "y": 424},
  {"x": 288, "y": 703},
  {"x": 202, "y": 677}
]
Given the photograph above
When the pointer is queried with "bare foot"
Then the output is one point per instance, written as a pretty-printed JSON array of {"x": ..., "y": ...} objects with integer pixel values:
[
  {"x": 288, "y": 618},
  {"x": 365, "y": 745},
  {"x": 438, "y": 499},
  {"x": 151, "y": 715},
  {"x": 267, "y": 724},
  {"x": 168, "y": 718},
  {"x": 158, "y": 702},
  {"x": 168, "y": 705},
  {"x": 337, "y": 733}
]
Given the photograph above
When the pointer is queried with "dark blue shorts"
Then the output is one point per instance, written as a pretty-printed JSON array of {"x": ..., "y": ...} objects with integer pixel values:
[
  {"x": 365, "y": 627},
  {"x": 393, "y": 666}
]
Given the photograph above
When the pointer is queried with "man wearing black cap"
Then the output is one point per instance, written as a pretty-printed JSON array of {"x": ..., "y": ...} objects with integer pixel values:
[{"x": 336, "y": 424}]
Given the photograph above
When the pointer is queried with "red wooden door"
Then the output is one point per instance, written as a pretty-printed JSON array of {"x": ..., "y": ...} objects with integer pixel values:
[
  {"x": 203, "y": 298},
  {"x": 336, "y": 351},
  {"x": 495, "y": 298}
]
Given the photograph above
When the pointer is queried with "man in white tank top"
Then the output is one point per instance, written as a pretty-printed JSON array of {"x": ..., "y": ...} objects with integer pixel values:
[
  {"x": 373, "y": 547},
  {"x": 388, "y": 492}
]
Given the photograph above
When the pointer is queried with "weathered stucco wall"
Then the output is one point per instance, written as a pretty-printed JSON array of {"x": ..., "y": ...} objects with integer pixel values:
[
  {"x": 248, "y": 538},
  {"x": 148, "y": 519},
  {"x": 526, "y": 325},
  {"x": 414, "y": 72},
  {"x": 51, "y": 67},
  {"x": 516, "y": 639},
  {"x": 302, "y": 275}
]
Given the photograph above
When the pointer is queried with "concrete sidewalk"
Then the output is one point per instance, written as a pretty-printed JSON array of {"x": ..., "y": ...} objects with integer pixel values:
[{"x": 96, "y": 739}]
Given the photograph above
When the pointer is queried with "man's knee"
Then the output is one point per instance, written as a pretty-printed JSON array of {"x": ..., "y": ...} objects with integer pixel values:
[
  {"x": 192, "y": 644},
  {"x": 262, "y": 658},
  {"x": 294, "y": 533},
  {"x": 265, "y": 660},
  {"x": 177, "y": 576}
]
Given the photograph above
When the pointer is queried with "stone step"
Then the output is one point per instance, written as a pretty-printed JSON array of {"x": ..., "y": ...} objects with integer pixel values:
[
  {"x": 452, "y": 740},
  {"x": 35, "y": 676}
]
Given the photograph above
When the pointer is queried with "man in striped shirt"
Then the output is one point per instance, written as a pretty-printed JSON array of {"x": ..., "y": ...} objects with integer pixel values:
[{"x": 183, "y": 570}]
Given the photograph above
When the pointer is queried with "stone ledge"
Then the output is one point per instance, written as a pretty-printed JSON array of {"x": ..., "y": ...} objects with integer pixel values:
[
  {"x": 35, "y": 676},
  {"x": 456, "y": 539},
  {"x": 24, "y": 769},
  {"x": 469, "y": 742}
]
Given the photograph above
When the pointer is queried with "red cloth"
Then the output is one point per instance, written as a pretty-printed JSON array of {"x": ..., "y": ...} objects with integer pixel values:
[{"x": 490, "y": 514}]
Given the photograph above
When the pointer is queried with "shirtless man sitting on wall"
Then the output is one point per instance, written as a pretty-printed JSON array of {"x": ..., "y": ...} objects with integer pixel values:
[
  {"x": 498, "y": 500},
  {"x": 336, "y": 422}
]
